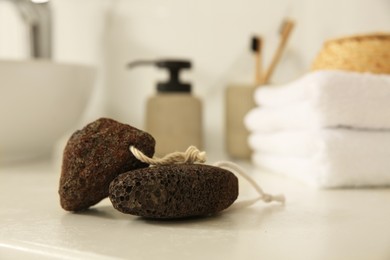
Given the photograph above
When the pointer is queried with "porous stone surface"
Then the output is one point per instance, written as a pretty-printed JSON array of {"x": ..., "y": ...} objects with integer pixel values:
[
  {"x": 174, "y": 191},
  {"x": 94, "y": 156}
]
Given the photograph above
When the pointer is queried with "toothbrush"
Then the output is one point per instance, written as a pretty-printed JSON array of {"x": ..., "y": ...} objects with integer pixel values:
[
  {"x": 256, "y": 46},
  {"x": 285, "y": 31}
]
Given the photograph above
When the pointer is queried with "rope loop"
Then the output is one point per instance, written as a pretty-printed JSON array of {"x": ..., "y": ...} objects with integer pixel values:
[
  {"x": 193, "y": 155},
  {"x": 190, "y": 156}
]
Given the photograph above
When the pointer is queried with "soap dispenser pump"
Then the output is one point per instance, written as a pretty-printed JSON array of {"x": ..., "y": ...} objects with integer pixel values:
[{"x": 173, "y": 115}]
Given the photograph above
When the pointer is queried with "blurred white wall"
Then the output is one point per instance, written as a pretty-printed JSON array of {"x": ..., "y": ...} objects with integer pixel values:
[
  {"x": 13, "y": 36},
  {"x": 213, "y": 34}
]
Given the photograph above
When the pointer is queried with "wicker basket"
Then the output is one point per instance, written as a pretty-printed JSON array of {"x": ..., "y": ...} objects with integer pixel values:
[{"x": 363, "y": 53}]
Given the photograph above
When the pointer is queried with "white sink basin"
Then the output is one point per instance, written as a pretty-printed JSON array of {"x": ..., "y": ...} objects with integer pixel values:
[{"x": 39, "y": 102}]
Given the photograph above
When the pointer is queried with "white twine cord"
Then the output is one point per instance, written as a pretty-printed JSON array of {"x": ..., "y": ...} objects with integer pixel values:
[
  {"x": 263, "y": 195},
  {"x": 193, "y": 155}
]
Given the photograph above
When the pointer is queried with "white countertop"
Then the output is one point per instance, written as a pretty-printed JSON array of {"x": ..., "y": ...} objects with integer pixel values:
[{"x": 314, "y": 224}]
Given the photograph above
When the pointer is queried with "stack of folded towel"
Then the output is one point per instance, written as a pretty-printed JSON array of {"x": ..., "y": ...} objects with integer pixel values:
[{"x": 328, "y": 129}]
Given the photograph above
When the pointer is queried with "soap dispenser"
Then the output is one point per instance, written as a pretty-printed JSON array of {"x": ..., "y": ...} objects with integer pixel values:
[{"x": 173, "y": 115}]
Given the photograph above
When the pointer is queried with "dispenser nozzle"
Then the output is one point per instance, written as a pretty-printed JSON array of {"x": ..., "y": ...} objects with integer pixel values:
[
  {"x": 173, "y": 66},
  {"x": 140, "y": 63}
]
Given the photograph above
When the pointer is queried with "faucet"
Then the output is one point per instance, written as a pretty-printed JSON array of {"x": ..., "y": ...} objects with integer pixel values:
[{"x": 37, "y": 16}]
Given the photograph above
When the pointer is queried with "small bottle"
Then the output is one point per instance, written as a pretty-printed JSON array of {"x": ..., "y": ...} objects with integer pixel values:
[{"x": 173, "y": 116}]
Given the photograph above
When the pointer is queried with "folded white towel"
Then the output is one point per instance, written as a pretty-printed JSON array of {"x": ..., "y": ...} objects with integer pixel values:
[
  {"x": 314, "y": 142},
  {"x": 326, "y": 158},
  {"x": 323, "y": 99}
]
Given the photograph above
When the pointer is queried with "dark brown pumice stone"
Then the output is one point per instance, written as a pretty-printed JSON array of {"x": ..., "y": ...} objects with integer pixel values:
[
  {"x": 94, "y": 156},
  {"x": 174, "y": 191}
]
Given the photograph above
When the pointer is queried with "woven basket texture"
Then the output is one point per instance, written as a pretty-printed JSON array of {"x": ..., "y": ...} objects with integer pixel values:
[{"x": 362, "y": 53}]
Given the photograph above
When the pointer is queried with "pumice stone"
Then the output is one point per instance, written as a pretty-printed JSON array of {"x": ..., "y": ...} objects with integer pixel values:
[
  {"x": 94, "y": 156},
  {"x": 174, "y": 191}
]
